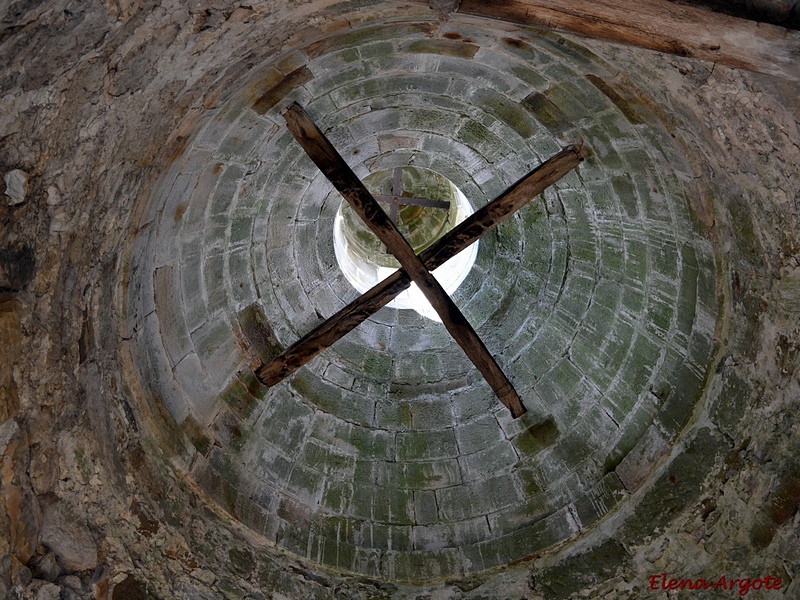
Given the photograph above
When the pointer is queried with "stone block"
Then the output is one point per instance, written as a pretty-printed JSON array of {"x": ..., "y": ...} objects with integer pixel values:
[
  {"x": 361, "y": 500},
  {"x": 367, "y": 561},
  {"x": 177, "y": 201},
  {"x": 358, "y": 37},
  {"x": 479, "y": 434},
  {"x": 140, "y": 295},
  {"x": 450, "y": 535},
  {"x": 286, "y": 422},
  {"x": 473, "y": 401},
  {"x": 218, "y": 350},
  {"x": 16, "y": 186},
  {"x": 431, "y": 415},
  {"x": 336, "y": 496},
  {"x": 228, "y": 431},
  {"x": 425, "y": 507},
  {"x": 599, "y": 499},
  {"x": 627, "y": 105},
  {"x": 148, "y": 349},
  {"x": 244, "y": 135},
  {"x": 305, "y": 484},
  {"x": 433, "y": 474},
  {"x": 169, "y": 306},
  {"x": 327, "y": 459},
  {"x": 193, "y": 290},
  {"x": 217, "y": 297},
  {"x": 294, "y": 538},
  {"x": 512, "y": 114},
  {"x": 528, "y": 540},
  {"x": 496, "y": 459},
  {"x": 422, "y": 565},
  {"x": 660, "y": 314},
  {"x": 332, "y": 399},
  {"x": 227, "y": 187},
  {"x": 687, "y": 385},
  {"x": 478, "y": 498},
  {"x": 372, "y": 443},
  {"x": 391, "y": 537},
  {"x": 482, "y": 140},
  {"x": 393, "y": 505},
  {"x": 680, "y": 485},
  {"x": 546, "y": 111},
  {"x": 417, "y": 445},
  {"x": 642, "y": 459},
  {"x": 338, "y": 376},
  {"x": 729, "y": 405},
  {"x": 583, "y": 571}
]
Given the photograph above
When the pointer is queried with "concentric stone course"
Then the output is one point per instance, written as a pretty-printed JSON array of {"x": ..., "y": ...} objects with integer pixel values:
[{"x": 388, "y": 454}]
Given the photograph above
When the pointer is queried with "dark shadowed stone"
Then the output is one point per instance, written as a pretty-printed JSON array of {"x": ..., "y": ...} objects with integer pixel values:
[
  {"x": 46, "y": 567},
  {"x": 537, "y": 436},
  {"x": 129, "y": 589},
  {"x": 258, "y": 333},
  {"x": 582, "y": 571},
  {"x": 17, "y": 265},
  {"x": 10, "y": 335},
  {"x": 636, "y": 466}
]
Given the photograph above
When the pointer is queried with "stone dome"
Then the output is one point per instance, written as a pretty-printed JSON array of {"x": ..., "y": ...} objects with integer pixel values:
[{"x": 167, "y": 236}]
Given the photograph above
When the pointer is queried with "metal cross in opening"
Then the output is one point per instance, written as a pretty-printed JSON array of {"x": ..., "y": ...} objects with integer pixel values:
[
  {"x": 396, "y": 199},
  {"x": 413, "y": 267}
]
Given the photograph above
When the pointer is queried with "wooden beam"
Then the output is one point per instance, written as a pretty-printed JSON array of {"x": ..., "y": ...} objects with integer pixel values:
[
  {"x": 457, "y": 239},
  {"x": 334, "y": 167},
  {"x": 659, "y": 25}
]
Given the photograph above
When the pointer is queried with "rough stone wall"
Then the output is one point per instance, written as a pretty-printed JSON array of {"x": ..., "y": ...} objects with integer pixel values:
[
  {"x": 93, "y": 97},
  {"x": 737, "y": 517}
]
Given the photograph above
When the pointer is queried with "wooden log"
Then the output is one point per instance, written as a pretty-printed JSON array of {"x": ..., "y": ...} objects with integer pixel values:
[
  {"x": 334, "y": 167},
  {"x": 659, "y": 25},
  {"x": 462, "y": 236}
]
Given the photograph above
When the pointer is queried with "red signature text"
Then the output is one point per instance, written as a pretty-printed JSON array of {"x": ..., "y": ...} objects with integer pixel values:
[{"x": 742, "y": 585}]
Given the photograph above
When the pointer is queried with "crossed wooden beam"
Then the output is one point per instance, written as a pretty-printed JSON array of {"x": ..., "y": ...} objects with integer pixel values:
[
  {"x": 416, "y": 268},
  {"x": 396, "y": 199}
]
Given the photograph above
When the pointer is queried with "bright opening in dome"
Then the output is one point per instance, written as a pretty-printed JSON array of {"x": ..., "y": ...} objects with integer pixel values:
[{"x": 424, "y": 205}]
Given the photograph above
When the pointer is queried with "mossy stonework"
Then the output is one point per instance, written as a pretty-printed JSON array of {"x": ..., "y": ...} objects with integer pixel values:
[{"x": 176, "y": 237}]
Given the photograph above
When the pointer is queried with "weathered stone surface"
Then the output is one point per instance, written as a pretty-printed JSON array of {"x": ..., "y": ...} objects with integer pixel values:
[
  {"x": 10, "y": 339},
  {"x": 68, "y": 536},
  {"x": 21, "y": 506},
  {"x": 592, "y": 299},
  {"x": 16, "y": 186},
  {"x": 636, "y": 466},
  {"x": 46, "y": 567}
]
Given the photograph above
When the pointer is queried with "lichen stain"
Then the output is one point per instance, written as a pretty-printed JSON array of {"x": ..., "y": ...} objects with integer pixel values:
[
  {"x": 537, "y": 436},
  {"x": 180, "y": 210},
  {"x": 147, "y": 526},
  {"x": 515, "y": 43}
]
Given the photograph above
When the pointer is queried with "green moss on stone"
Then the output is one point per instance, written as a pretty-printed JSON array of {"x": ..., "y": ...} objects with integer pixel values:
[
  {"x": 547, "y": 113},
  {"x": 506, "y": 111},
  {"x": 239, "y": 398},
  {"x": 537, "y": 436},
  {"x": 196, "y": 434},
  {"x": 377, "y": 366},
  {"x": 583, "y": 571}
]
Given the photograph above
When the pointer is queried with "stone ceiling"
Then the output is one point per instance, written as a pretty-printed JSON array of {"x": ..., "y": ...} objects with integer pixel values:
[{"x": 171, "y": 236}]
